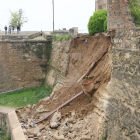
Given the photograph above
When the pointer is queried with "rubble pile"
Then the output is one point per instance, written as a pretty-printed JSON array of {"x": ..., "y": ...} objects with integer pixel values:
[{"x": 89, "y": 71}]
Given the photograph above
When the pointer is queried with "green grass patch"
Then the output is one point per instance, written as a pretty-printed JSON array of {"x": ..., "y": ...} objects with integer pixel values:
[
  {"x": 24, "y": 97},
  {"x": 61, "y": 37}
]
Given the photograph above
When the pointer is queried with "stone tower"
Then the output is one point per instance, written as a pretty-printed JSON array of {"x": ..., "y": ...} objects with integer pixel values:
[{"x": 100, "y": 4}]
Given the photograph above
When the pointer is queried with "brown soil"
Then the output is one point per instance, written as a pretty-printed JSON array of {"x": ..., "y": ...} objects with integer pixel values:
[{"x": 83, "y": 54}]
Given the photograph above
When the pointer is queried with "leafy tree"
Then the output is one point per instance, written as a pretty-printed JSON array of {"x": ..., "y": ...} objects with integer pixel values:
[
  {"x": 134, "y": 6},
  {"x": 96, "y": 22},
  {"x": 17, "y": 18}
]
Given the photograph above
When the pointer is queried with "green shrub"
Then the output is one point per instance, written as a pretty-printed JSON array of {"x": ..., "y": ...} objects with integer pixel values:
[
  {"x": 24, "y": 57},
  {"x": 96, "y": 22},
  {"x": 103, "y": 138},
  {"x": 61, "y": 37},
  {"x": 105, "y": 25},
  {"x": 134, "y": 6},
  {"x": 31, "y": 37},
  {"x": 67, "y": 37}
]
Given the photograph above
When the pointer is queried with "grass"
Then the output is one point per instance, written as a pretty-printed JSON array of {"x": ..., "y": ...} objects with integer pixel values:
[
  {"x": 61, "y": 37},
  {"x": 25, "y": 97}
]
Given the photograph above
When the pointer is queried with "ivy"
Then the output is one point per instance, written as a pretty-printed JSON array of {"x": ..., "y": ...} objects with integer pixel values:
[{"x": 134, "y": 6}]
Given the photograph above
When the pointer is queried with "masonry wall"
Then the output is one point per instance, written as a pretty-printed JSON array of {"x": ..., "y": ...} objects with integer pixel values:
[
  {"x": 119, "y": 15},
  {"x": 59, "y": 62},
  {"x": 100, "y": 4},
  {"x": 123, "y": 103},
  {"x": 121, "y": 117},
  {"x": 22, "y": 64}
]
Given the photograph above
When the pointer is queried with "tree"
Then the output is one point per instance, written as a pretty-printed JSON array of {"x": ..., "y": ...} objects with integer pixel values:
[
  {"x": 17, "y": 18},
  {"x": 96, "y": 22}
]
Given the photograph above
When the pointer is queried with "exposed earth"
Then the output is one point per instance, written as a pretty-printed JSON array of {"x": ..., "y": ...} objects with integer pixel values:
[{"x": 77, "y": 120}]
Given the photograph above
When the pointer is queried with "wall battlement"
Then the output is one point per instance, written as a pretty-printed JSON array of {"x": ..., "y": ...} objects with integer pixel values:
[
  {"x": 100, "y": 4},
  {"x": 119, "y": 15}
]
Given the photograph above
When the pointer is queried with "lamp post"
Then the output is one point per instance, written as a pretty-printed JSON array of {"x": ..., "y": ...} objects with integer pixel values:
[{"x": 53, "y": 14}]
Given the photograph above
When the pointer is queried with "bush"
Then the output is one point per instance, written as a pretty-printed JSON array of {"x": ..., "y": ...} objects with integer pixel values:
[
  {"x": 134, "y": 6},
  {"x": 61, "y": 37},
  {"x": 96, "y": 22}
]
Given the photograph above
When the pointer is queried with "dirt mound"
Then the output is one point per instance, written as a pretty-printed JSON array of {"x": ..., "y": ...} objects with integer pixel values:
[{"x": 89, "y": 71}]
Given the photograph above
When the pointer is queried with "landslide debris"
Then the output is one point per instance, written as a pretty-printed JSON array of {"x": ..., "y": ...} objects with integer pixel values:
[{"x": 89, "y": 70}]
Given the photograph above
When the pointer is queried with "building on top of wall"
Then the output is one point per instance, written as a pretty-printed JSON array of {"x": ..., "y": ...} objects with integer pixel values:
[{"x": 100, "y": 4}]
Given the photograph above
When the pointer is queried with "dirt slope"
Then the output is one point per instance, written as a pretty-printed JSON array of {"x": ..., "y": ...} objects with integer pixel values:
[{"x": 93, "y": 50}]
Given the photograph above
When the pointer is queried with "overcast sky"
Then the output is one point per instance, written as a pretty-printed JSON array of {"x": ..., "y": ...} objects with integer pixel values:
[{"x": 68, "y": 13}]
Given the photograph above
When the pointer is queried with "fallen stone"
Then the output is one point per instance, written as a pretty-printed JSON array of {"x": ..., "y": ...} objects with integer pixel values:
[
  {"x": 24, "y": 130},
  {"x": 61, "y": 137},
  {"x": 54, "y": 125},
  {"x": 27, "y": 111},
  {"x": 41, "y": 126},
  {"x": 31, "y": 136},
  {"x": 29, "y": 106},
  {"x": 57, "y": 87},
  {"x": 55, "y": 120},
  {"x": 24, "y": 115},
  {"x": 46, "y": 99},
  {"x": 33, "y": 131},
  {"x": 39, "y": 134},
  {"x": 85, "y": 137},
  {"x": 40, "y": 107},
  {"x": 70, "y": 120},
  {"x": 44, "y": 137}
]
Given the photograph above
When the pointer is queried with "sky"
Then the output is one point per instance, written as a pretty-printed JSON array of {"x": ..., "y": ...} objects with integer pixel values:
[{"x": 68, "y": 13}]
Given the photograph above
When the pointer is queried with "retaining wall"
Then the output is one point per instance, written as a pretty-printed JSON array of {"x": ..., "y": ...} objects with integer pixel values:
[
  {"x": 13, "y": 123},
  {"x": 23, "y": 63}
]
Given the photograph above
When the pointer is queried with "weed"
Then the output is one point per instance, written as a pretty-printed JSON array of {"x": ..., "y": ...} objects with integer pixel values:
[
  {"x": 103, "y": 138},
  {"x": 24, "y": 57},
  {"x": 31, "y": 37},
  {"x": 90, "y": 100},
  {"x": 3, "y": 132},
  {"x": 61, "y": 37}
]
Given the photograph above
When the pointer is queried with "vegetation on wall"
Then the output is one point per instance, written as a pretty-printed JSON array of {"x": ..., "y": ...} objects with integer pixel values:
[
  {"x": 98, "y": 22},
  {"x": 39, "y": 50},
  {"x": 134, "y": 6},
  {"x": 61, "y": 37},
  {"x": 4, "y": 135}
]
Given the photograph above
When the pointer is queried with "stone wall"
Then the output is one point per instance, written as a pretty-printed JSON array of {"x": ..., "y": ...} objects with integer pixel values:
[
  {"x": 22, "y": 63},
  {"x": 122, "y": 107},
  {"x": 4, "y": 123},
  {"x": 100, "y": 4},
  {"x": 119, "y": 15},
  {"x": 59, "y": 62},
  {"x": 121, "y": 104},
  {"x": 72, "y": 31}
]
